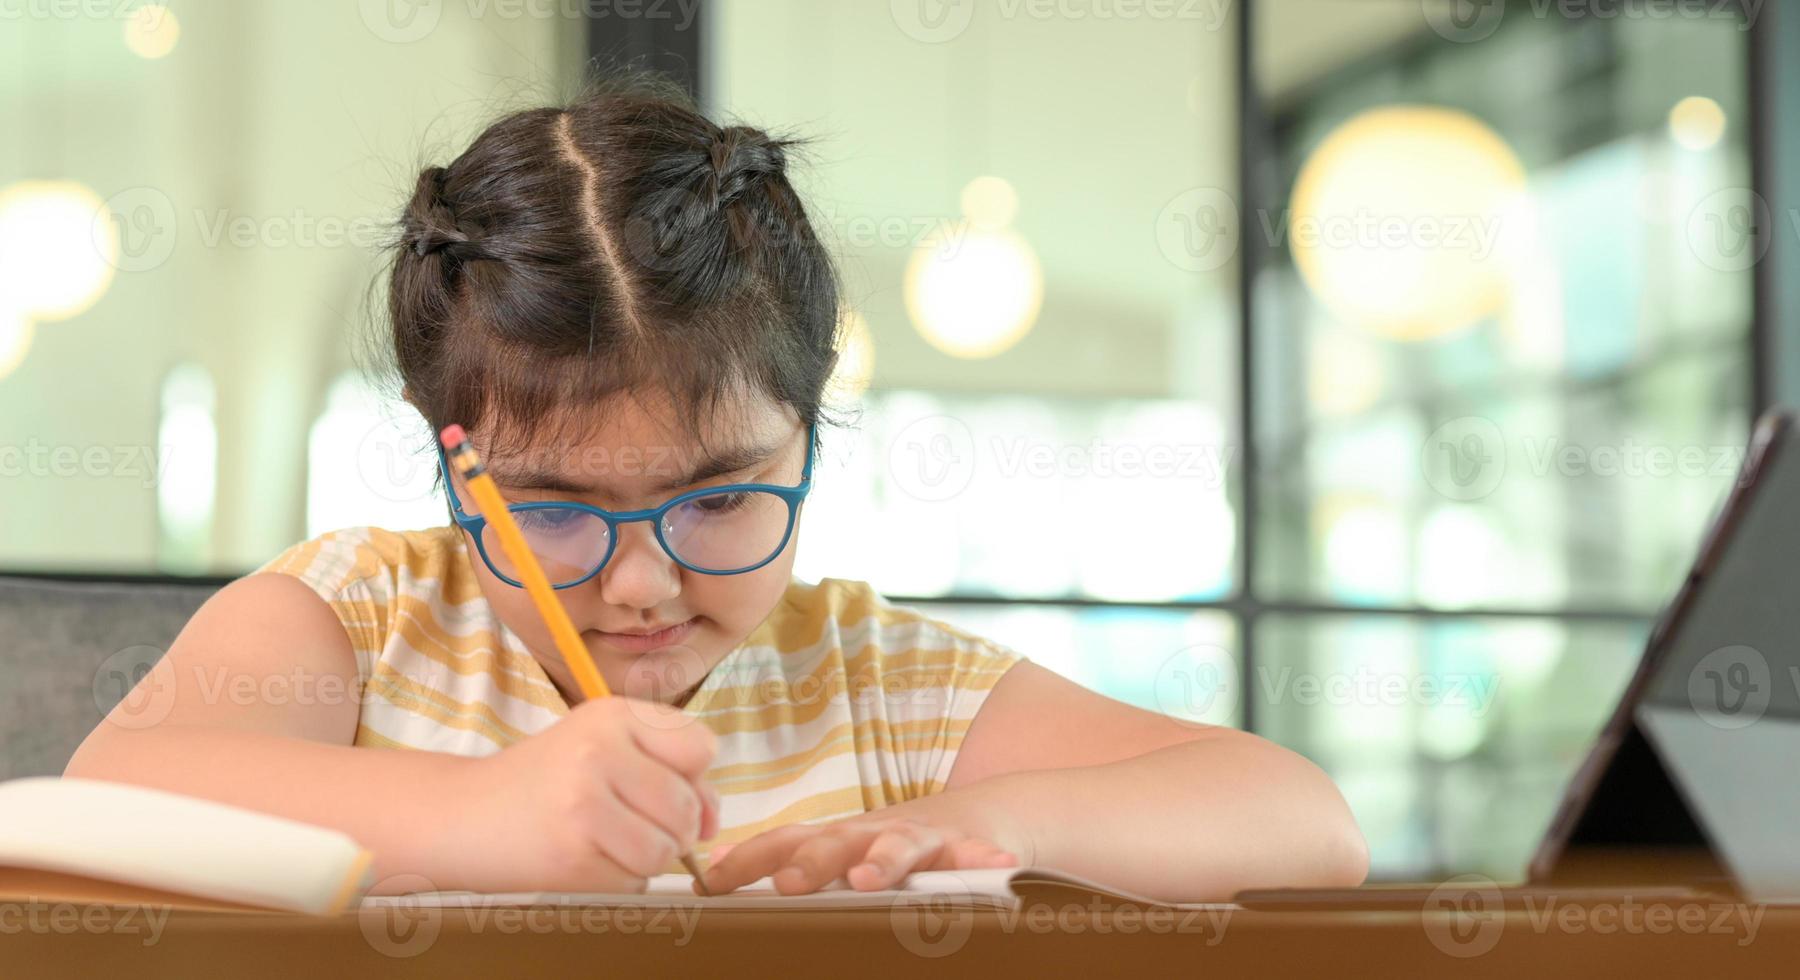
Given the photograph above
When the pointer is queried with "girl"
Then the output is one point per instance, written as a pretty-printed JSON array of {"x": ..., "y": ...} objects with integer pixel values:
[{"x": 627, "y": 308}]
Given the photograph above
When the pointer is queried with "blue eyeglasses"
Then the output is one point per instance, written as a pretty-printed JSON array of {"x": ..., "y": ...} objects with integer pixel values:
[{"x": 725, "y": 530}]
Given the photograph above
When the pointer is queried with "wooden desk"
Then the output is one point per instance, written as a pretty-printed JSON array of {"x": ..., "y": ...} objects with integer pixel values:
[{"x": 1585, "y": 939}]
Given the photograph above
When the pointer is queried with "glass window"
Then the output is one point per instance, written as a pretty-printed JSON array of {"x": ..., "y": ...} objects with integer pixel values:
[
  {"x": 370, "y": 460},
  {"x": 1503, "y": 354},
  {"x": 1052, "y": 343},
  {"x": 1182, "y": 663},
  {"x": 1452, "y": 738},
  {"x": 211, "y": 185}
]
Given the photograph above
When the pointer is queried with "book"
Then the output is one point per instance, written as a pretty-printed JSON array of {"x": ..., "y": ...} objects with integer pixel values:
[
  {"x": 981, "y": 888},
  {"x": 93, "y": 841}
]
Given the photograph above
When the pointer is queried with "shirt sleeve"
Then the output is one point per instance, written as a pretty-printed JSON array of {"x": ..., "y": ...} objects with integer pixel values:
[
  {"x": 343, "y": 569},
  {"x": 936, "y": 677}
]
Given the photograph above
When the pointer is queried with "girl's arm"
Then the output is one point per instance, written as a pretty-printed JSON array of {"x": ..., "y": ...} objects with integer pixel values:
[
  {"x": 1055, "y": 775},
  {"x": 1202, "y": 808},
  {"x": 1192, "y": 822},
  {"x": 256, "y": 704}
]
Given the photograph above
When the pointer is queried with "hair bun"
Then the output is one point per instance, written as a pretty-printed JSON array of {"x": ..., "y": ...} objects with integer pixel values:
[
  {"x": 742, "y": 156},
  {"x": 430, "y": 223}
]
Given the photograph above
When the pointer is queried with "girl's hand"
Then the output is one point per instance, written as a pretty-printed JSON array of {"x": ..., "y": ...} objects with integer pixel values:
[
  {"x": 600, "y": 801},
  {"x": 872, "y": 851}
]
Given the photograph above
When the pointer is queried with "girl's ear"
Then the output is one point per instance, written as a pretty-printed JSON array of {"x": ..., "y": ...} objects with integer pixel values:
[{"x": 406, "y": 395}]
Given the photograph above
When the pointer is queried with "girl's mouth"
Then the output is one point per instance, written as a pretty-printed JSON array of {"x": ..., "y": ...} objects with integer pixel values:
[{"x": 647, "y": 642}]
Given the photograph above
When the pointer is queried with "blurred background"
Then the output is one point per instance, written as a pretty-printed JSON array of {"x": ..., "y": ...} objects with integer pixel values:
[{"x": 1361, "y": 373}]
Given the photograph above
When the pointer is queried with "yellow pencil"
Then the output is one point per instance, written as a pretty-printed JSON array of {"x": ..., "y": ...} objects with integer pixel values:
[{"x": 489, "y": 504}]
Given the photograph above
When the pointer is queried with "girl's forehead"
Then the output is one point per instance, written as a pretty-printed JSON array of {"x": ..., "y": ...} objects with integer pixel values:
[
  {"x": 629, "y": 450},
  {"x": 642, "y": 422}
]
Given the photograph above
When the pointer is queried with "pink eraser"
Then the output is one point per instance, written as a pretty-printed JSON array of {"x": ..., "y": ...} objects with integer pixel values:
[{"x": 453, "y": 436}]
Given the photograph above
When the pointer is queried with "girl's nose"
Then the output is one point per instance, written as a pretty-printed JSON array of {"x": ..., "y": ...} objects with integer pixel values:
[{"x": 640, "y": 574}]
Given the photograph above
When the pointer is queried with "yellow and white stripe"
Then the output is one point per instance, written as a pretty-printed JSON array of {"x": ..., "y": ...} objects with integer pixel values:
[{"x": 838, "y": 703}]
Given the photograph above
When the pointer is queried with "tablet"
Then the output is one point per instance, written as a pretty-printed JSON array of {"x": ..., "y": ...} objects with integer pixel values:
[{"x": 1699, "y": 756}]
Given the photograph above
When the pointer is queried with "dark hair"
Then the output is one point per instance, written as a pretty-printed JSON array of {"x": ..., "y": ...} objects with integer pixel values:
[{"x": 620, "y": 244}]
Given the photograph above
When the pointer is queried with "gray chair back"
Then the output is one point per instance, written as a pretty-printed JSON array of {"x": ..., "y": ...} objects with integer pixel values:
[{"x": 70, "y": 650}]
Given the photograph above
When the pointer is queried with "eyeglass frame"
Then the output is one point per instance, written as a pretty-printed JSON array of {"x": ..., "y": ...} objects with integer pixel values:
[{"x": 475, "y": 524}]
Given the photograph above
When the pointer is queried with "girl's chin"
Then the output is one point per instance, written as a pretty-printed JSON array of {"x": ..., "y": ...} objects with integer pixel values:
[{"x": 669, "y": 675}]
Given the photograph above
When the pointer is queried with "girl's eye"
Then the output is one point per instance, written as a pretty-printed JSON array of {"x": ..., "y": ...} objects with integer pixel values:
[
  {"x": 547, "y": 519},
  {"x": 721, "y": 503}
]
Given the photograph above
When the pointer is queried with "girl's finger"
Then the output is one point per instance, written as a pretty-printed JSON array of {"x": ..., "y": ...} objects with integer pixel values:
[
  {"x": 822, "y": 860},
  {"x": 755, "y": 858},
  {"x": 893, "y": 855}
]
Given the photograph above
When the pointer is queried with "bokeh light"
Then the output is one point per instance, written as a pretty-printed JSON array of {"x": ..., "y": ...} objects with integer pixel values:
[
  {"x": 973, "y": 293},
  {"x": 1397, "y": 220},
  {"x": 1697, "y": 122},
  {"x": 152, "y": 31},
  {"x": 58, "y": 249}
]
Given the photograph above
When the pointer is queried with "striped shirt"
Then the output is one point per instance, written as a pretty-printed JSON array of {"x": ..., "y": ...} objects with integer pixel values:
[{"x": 837, "y": 704}]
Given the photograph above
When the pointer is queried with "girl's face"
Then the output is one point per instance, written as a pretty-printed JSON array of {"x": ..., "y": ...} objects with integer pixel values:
[{"x": 654, "y": 628}]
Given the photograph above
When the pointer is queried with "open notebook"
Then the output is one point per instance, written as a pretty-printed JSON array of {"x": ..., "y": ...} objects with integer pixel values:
[
  {"x": 992, "y": 888},
  {"x": 89, "y": 841}
]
